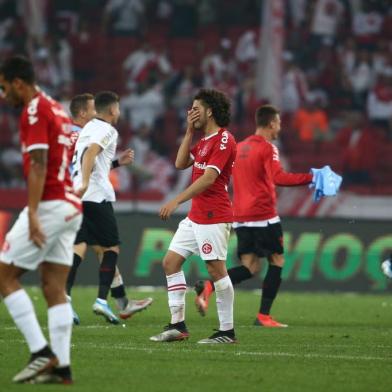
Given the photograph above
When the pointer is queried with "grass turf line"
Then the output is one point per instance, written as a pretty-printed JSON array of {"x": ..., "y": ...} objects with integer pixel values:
[{"x": 335, "y": 342}]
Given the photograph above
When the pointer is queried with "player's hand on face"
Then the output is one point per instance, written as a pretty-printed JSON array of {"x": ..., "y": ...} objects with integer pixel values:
[
  {"x": 35, "y": 232},
  {"x": 127, "y": 157},
  {"x": 168, "y": 209},
  {"x": 192, "y": 117}
]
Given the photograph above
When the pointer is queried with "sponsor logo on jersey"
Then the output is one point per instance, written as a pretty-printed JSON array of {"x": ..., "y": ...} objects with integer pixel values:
[{"x": 199, "y": 165}]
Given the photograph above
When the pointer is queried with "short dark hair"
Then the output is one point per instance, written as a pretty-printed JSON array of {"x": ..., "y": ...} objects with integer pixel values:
[
  {"x": 265, "y": 114},
  {"x": 79, "y": 103},
  {"x": 218, "y": 103},
  {"x": 18, "y": 67},
  {"x": 104, "y": 99}
]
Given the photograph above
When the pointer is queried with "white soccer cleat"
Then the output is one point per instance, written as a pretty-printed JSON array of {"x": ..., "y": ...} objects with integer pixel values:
[
  {"x": 103, "y": 309},
  {"x": 35, "y": 367},
  {"x": 386, "y": 267},
  {"x": 171, "y": 334},
  {"x": 135, "y": 306}
]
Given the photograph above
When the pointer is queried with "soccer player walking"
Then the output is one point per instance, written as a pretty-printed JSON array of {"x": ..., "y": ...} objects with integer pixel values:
[
  {"x": 257, "y": 171},
  {"x": 82, "y": 109},
  {"x": 94, "y": 153},
  {"x": 206, "y": 229},
  {"x": 43, "y": 235}
]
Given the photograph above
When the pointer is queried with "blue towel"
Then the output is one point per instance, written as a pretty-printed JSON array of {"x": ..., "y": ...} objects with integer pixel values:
[{"x": 326, "y": 182}]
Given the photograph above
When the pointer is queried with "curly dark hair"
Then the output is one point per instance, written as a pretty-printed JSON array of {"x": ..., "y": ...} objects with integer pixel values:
[{"x": 218, "y": 103}]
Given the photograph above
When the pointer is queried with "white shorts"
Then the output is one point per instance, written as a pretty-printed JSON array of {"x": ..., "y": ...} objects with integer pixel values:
[
  {"x": 59, "y": 220},
  {"x": 207, "y": 241}
]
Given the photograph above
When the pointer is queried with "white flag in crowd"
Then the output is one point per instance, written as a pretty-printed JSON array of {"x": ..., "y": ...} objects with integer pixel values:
[{"x": 269, "y": 59}]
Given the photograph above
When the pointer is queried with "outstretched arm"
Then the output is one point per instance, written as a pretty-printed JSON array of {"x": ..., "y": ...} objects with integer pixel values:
[{"x": 199, "y": 186}]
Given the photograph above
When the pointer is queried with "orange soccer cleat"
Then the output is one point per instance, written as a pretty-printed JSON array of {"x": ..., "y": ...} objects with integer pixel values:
[
  {"x": 204, "y": 289},
  {"x": 265, "y": 320}
]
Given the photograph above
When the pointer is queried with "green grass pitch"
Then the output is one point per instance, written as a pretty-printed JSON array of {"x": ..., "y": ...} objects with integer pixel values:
[{"x": 335, "y": 342}]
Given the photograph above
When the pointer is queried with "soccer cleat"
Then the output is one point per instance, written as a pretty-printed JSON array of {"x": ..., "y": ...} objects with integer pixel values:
[
  {"x": 226, "y": 337},
  {"x": 55, "y": 376},
  {"x": 103, "y": 309},
  {"x": 75, "y": 317},
  {"x": 36, "y": 366},
  {"x": 386, "y": 267},
  {"x": 204, "y": 289},
  {"x": 135, "y": 306},
  {"x": 265, "y": 320},
  {"x": 172, "y": 333}
]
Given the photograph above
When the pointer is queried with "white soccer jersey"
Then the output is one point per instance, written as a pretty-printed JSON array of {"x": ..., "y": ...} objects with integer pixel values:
[{"x": 102, "y": 133}]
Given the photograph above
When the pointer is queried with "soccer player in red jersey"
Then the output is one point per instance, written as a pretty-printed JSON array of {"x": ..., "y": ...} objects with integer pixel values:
[
  {"x": 43, "y": 235},
  {"x": 206, "y": 229},
  {"x": 257, "y": 171}
]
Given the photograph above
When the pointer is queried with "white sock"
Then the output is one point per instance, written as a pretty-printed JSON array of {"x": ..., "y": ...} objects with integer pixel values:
[
  {"x": 117, "y": 281},
  {"x": 60, "y": 330},
  {"x": 224, "y": 302},
  {"x": 22, "y": 311},
  {"x": 176, "y": 288}
]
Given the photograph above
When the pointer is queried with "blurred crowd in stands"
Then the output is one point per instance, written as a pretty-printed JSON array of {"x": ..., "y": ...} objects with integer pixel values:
[{"x": 336, "y": 91}]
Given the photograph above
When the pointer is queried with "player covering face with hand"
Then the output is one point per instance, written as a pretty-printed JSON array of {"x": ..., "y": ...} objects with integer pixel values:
[{"x": 206, "y": 229}]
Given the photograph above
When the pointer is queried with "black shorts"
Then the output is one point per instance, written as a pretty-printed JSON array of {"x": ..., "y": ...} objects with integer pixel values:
[
  {"x": 99, "y": 226},
  {"x": 262, "y": 241}
]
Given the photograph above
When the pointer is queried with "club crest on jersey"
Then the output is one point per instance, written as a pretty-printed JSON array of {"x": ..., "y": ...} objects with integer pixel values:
[{"x": 204, "y": 151}]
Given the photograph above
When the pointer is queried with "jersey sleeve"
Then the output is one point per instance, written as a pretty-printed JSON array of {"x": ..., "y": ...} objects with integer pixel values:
[
  {"x": 279, "y": 175},
  {"x": 36, "y": 124},
  {"x": 192, "y": 152},
  {"x": 222, "y": 152},
  {"x": 103, "y": 136}
]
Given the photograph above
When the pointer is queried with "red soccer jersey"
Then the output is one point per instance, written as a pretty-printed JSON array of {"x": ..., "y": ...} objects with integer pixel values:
[
  {"x": 256, "y": 171},
  {"x": 213, "y": 205},
  {"x": 45, "y": 125}
]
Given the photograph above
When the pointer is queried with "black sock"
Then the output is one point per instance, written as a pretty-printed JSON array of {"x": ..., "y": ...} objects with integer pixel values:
[
  {"x": 72, "y": 272},
  {"x": 44, "y": 352},
  {"x": 271, "y": 285},
  {"x": 180, "y": 326},
  {"x": 239, "y": 274},
  {"x": 106, "y": 273},
  {"x": 229, "y": 332},
  {"x": 118, "y": 292},
  {"x": 64, "y": 371},
  {"x": 236, "y": 275}
]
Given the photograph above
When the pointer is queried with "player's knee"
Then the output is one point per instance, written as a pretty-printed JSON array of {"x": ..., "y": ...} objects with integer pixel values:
[
  {"x": 167, "y": 266},
  {"x": 9, "y": 281},
  {"x": 277, "y": 260},
  {"x": 52, "y": 291},
  {"x": 254, "y": 268},
  {"x": 115, "y": 249}
]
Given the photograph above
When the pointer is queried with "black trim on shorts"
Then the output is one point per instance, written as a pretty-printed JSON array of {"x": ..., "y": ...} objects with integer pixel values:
[
  {"x": 262, "y": 241},
  {"x": 99, "y": 226}
]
